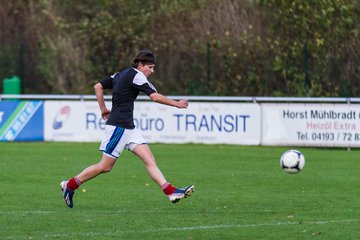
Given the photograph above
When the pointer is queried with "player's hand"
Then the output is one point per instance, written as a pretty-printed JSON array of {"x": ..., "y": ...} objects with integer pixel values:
[
  {"x": 105, "y": 114},
  {"x": 183, "y": 103}
]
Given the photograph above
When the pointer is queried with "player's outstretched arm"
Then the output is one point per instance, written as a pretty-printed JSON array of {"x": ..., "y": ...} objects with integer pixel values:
[
  {"x": 159, "y": 98},
  {"x": 99, "y": 92}
]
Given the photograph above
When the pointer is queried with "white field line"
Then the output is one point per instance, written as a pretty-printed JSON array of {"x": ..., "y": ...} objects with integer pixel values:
[
  {"x": 251, "y": 225},
  {"x": 194, "y": 228},
  {"x": 25, "y": 212},
  {"x": 45, "y": 212}
]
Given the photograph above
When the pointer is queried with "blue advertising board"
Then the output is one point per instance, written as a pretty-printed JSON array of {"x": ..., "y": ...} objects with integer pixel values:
[{"x": 21, "y": 121}]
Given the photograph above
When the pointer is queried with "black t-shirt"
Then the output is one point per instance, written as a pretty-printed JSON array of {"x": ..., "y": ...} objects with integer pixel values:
[{"x": 125, "y": 86}]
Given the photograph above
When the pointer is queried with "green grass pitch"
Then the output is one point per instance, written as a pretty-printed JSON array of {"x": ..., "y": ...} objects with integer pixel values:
[{"x": 240, "y": 193}]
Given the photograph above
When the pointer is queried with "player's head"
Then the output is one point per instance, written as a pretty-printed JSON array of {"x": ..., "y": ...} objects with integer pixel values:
[{"x": 145, "y": 57}]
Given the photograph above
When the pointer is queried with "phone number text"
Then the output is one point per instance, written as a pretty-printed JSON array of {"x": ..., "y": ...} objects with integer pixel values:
[{"x": 328, "y": 136}]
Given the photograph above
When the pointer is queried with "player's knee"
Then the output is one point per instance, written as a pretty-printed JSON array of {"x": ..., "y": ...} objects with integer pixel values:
[{"x": 105, "y": 168}]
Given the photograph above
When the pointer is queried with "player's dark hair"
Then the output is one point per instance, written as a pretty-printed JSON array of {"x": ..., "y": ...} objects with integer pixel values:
[{"x": 144, "y": 56}]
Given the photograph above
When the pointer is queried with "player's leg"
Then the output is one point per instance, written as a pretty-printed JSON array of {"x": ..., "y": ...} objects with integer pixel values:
[
  {"x": 68, "y": 187},
  {"x": 105, "y": 165},
  {"x": 144, "y": 153},
  {"x": 174, "y": 194},
  {"x": 111, "y": 146}
]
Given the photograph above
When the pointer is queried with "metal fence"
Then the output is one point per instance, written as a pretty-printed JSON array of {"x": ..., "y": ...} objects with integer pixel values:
[{"x": 253, "y": 99}]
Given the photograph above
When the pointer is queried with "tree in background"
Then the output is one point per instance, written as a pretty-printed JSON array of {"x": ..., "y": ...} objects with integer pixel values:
[
  {"x": 324, "y": 31},
  {"x": 37, "y": 45},
  {"x": 219, "y": 46},
  {"x": 204, "y": 47}
]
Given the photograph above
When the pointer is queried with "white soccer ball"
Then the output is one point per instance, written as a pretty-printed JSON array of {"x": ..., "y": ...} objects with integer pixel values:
[{"x": 292, "y": 161}]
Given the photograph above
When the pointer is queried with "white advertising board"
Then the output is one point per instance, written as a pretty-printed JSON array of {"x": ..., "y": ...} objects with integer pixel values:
[
  {"x": 72, "y": 121},
  {"x": 231, "y": 123},
  {"x": 311, "y": 124}
]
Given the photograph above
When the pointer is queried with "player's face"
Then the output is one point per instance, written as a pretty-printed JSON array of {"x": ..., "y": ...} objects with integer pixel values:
[{"x": 146, "y": 69}]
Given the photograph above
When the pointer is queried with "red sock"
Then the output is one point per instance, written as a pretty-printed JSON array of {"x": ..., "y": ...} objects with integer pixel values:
[
  {"x": 168, "y": 188},
  {"x": 73, "y": 183}
]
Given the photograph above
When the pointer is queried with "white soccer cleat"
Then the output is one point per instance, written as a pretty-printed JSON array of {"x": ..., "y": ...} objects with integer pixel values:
[{"x": 180, "y": 193}]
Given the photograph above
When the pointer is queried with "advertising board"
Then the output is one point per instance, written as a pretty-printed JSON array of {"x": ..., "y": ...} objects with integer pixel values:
[
  {"x": 231, "y": 123},
  {"x": 21, "y": 121},
  {"x": 72, "y": 121},
  {"x": 311, "y": 124}
]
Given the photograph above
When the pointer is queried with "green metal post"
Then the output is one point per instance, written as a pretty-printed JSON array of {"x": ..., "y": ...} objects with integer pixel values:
[{"x": 306, "y": 70}]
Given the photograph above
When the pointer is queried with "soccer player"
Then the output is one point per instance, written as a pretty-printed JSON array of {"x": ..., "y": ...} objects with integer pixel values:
[{"x": 120, "y": 131}]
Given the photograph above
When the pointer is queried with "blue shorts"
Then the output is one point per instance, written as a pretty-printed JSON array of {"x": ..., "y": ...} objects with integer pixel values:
[{"x": 117, "y": 139}]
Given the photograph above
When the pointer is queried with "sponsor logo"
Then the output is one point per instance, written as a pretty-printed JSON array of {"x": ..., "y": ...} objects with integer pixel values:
[
  {"x": 61, "y": 117},
  {"x": 18, "y": 119}
]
